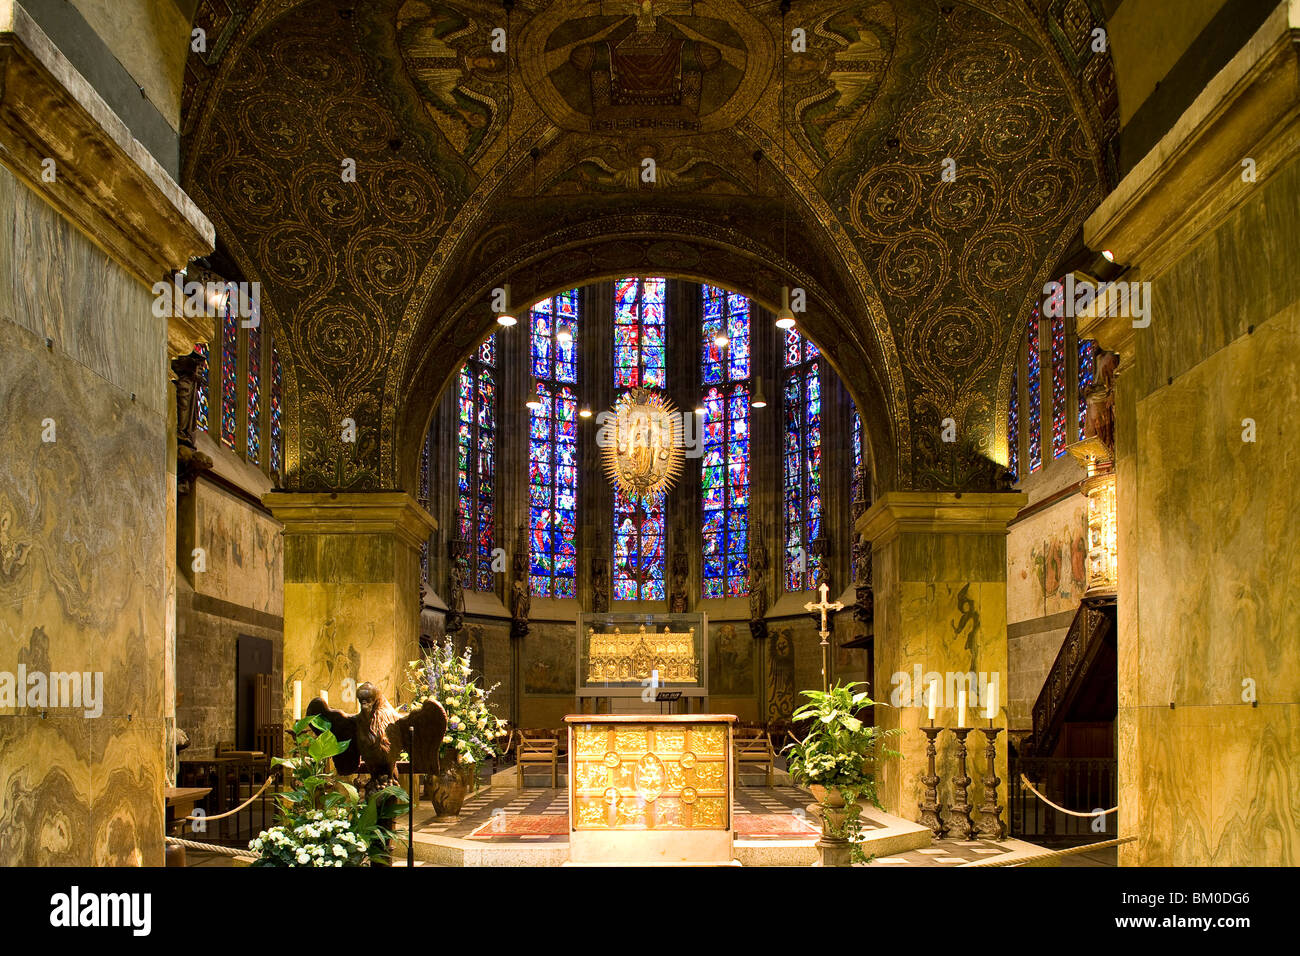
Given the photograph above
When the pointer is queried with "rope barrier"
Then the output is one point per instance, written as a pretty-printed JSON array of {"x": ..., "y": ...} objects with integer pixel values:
[
  {"x": 1056, "y": 806},
  {"x": 1052, "y": 854},
  {"x": 211, "y": 848},
  {"x": 230, "y": 813}
]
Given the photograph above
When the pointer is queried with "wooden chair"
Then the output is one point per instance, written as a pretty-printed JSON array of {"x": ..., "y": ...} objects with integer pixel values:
[
  {"x": 537, "y": 747},
  {"x": 753, "y": 746}
]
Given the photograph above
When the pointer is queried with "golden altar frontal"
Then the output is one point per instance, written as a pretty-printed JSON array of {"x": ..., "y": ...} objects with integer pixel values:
[{"x": 650, "y": 789}]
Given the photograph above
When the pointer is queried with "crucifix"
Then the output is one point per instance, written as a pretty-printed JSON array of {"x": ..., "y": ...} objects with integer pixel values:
[{"x": 824, "y": 606}]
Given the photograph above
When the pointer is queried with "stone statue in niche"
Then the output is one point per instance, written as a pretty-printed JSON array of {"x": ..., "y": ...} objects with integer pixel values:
[
  {"x": 864, "y": 605},
  {"x": 679, "y": 576},
  {"x": 189, "y": 462},
  {"x": 521, "y": 594},
  {"x": 1099, "y": 419},
  {"x": 758, "y": 562},
  {"x": 457, "y": 580},
  {"x": 600, "y": 582}
]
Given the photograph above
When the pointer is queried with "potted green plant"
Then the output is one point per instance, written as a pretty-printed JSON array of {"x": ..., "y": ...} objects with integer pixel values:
[
  {"x": 322, "y": 820},
  {"x": 474, "y": 733},
  {"x": 836, "y": 760}
]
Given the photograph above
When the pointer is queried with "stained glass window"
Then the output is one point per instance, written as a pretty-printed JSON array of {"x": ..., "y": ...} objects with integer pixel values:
[
  {"x": 724, "y": 476},
  {"x": 1013, "y": 424},
  {"x": 802, "y": 405},
  {"x": 255, "y": 395},
  {"x": 476, "y": 462},
  {"x": 201, "y": 387},
  {"x": 424, "y": 503},
  {"x": 1058, "y": 386},
  {"x": 553, "y": 449},
  {"x": 229, "y": 374},
  {"x": 640, "y": 359},
  {"x": 729, "y": 312},
  {"x": 638, "y": 547},
  {"x": 1033, "y": 383},
  {"x": 856, "y": 481},
  {"x": 639, "y": 354},
  {"x": 1087, "y": 359},
  {"x": 277, "y": 430}
]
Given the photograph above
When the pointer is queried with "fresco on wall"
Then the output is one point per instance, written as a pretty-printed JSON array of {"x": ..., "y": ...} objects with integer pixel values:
[
  {"x": 550, "y": 662},
  {"x": 731, "y": 662},
  {"x": 1047, "y": 561},
  {"x": 780, "y": 696}
]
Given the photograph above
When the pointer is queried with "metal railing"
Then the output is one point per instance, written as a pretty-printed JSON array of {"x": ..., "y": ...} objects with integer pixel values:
[{"x": 1080, "y": 783}]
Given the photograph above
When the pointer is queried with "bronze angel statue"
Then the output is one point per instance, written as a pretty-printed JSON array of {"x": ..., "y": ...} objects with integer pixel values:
[{"x": 380, "y": 734}]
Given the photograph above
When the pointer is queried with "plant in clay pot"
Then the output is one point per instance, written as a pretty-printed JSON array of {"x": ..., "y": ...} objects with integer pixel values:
[{"x": 836, "y": 760}]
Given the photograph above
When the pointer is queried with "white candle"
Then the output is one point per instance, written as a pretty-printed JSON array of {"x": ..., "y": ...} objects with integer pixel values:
[
  {"x": 961, "y": 707},
  {"x": 325, "y": 697},
  {"x": 934, "y": 695},
  {"x": 991, "y": 692},
  {"x": 297, "y": 701}
]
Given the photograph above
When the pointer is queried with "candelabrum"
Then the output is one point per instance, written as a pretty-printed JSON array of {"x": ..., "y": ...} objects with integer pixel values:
[
  {"x": 963, "y": 826},
  {"x": 931, "y": 811},
  {"x": 991, "y": 826}
]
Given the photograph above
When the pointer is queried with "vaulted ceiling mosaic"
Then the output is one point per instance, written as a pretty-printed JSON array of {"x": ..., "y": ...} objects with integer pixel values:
[{"x": 472, "y": 168}]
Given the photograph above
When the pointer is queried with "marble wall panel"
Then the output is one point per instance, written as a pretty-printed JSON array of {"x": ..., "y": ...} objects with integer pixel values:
[{"x": 83, "y": 552}]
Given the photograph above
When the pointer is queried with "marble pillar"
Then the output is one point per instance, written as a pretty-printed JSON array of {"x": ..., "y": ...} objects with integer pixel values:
[
  {"x": 88, "y": 222},
  {"x": 940, "y": 572},
  {"x": 351, "y": 590},
  {"x": 1206, "y": 402}
]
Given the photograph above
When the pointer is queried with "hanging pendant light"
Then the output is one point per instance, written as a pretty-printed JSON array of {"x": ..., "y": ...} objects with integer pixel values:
[
  {"x": 721, "y": 340},
  {"x": 784, "y": 317},
  {"x": 535, "y": 396},
  {"x": 506, "y": 317},
  {"x": 564, "y": 334},
  {"x": 584, "y": 411},
  {"x": 700, "y": 409},
  {"x": 758, "y": 401}
]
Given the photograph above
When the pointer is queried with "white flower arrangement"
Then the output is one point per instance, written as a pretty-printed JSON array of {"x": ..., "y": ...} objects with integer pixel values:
[{"x": 474, "y": 734}]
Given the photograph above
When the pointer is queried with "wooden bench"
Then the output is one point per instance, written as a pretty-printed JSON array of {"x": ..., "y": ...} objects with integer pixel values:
[
  {"x": 537, "y": 747},
  {"x": 753, "y": 746}
]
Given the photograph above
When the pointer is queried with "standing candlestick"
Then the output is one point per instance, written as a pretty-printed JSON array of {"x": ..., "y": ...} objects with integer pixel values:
[
  {"x": 934, "y": 697},
  {"x": 991, "y": 826},
  {"x": 297, "y": 701},
  {"x": 931, "y": 810},
  {"x": 963, "y": 827},
  {"x": 961, "y": 707}
]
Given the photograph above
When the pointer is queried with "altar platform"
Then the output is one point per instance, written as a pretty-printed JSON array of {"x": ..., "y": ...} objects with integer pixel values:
[{"x": 774, "y": 827}]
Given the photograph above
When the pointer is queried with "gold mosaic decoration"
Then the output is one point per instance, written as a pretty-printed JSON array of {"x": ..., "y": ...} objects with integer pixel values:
[
  {"x": 650, "y": 777},
  {"x": 643, "y": 452},
  {"x": 615, "y": 656}
]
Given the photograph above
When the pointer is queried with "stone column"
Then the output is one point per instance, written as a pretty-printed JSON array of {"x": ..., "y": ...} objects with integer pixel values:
[
  {"x": 940, "y": 573},
  {"x": 351, "y": 590}
]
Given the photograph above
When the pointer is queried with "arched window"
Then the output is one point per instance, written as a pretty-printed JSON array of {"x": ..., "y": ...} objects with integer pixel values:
[
  {"x": 724, "y": 475},
  {"x": 553, "y": 448},
  {"x": 247, "y": 419},
  {"x": 476, "y": 462},
  {"x": 1046, "y": 411},
  {"x": 640, "y": 359},
  {"x": 802, "y": 402}
]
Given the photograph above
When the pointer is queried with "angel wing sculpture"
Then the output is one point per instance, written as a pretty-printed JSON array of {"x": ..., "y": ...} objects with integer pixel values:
[{"x": 379, "y": 733}]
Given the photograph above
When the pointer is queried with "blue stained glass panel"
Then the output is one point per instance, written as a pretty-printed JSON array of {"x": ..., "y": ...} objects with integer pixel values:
[{"x": 553, "y": 476}]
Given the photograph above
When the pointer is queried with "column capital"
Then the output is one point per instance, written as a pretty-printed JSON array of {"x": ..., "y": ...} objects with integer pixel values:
[
  {"x": 938, "y": 512},
  {"x": 381, "y": 512}
]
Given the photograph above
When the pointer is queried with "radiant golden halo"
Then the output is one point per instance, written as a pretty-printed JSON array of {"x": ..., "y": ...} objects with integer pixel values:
[{"x": 641, "y": 443}]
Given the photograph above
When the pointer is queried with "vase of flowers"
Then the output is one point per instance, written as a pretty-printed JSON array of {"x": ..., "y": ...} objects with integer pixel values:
[
  {"x": 474, "y": 734},
  {"x": 836, "y": 760},
  {"x": 322, "y": 820}
]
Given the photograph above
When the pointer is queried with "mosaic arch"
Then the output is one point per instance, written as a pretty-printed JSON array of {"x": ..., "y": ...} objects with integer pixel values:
[{"x": 921, "y": 280}]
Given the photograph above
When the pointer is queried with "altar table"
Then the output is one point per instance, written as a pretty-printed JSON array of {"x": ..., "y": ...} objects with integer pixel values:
[{"x": 646, "y": 788}]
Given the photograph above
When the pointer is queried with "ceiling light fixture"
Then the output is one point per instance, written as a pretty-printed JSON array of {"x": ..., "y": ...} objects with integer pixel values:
[
  {"x": 584, "y": 411},
  {"x": 564, "y": 334},
  {"x": 1108, "y": 255},
  {"x": 721, "y": 340},
  {"x": 535, "y": 396},
  {"x": 784, "y": 317},
  {"x": 506, "y": 316},
  {"x": 759, "y": 401}
]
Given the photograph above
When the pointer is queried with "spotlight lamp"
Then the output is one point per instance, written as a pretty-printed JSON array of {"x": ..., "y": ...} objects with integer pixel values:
[
  {"x": 535, "y": 396},
  {"x": 758, "y": 401},
  {"x": 584, "y": 411},
  {"x": 784, "y": 317},
  {"x": 506, "y": 317}
]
